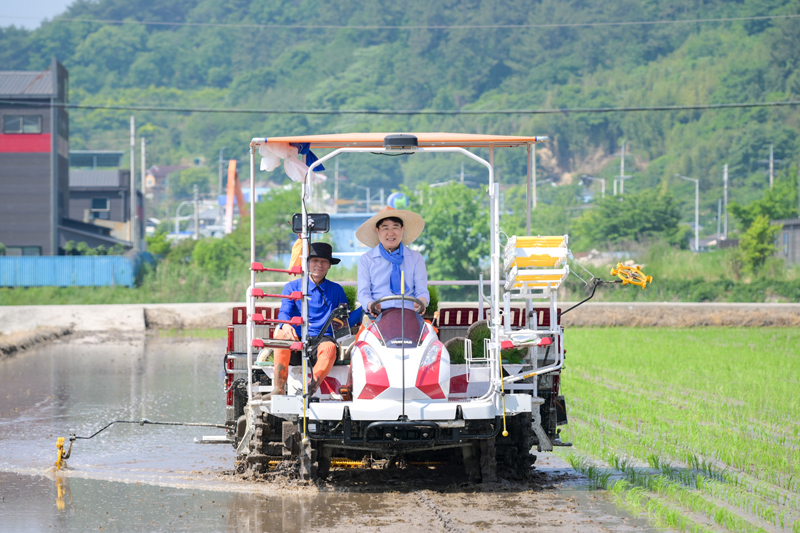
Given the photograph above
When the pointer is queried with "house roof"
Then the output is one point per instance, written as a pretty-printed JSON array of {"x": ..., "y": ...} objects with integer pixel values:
[
  {"x": 788, "y": 222},
  {"x": 18, "y": 83},
  {"x": 94, "y": 178},
  {"x": 162, "y": 171}
]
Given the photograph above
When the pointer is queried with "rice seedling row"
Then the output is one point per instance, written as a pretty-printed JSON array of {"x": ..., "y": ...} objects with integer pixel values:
[
  {"x": 713, "y": 413},
  {"x": 725, "y": 443},
  {"x": 767, "y": 509},
  {"x": 783, "y": 436},
  {"x": 701, "y": 422},
  {"x": 645, "y": 449},
  {"x": 666, "y": 503}
]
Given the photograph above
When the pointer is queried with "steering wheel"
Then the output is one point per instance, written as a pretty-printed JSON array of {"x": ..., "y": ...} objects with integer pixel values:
[{"x": 397, "y": 297}]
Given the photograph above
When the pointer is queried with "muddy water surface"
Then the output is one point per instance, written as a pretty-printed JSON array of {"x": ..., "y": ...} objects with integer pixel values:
[{"x": 133, "y": 478}]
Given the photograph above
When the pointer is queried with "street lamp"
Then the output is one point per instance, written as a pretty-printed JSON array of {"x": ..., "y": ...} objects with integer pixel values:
[
  {"x": 219, "y": 192},
  {"x": 602, "y": 183},
  {"x": 696, "y": 210},
  {"x": 177, "y": 218}
]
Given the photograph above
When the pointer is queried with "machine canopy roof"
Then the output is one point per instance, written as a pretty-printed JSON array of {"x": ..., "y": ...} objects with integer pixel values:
[{"x": 375, "y": 140}]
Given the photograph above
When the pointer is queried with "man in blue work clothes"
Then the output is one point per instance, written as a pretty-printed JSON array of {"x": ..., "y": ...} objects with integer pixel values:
[
  {"x": 324, "y": 297},
  {"x": 379, "y": 270}
]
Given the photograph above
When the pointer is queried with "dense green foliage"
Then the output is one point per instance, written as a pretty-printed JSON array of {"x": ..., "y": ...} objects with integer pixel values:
[
  {"x": 81, "y": 248},
  {"x": 779, "y": 202},
  {"x": 456, "y": 236},
  {"x": 451, "y": 68},
  {"x": 758, "y": 242},
  {"x": 443, "y": 68},
  {"x": 182, "y": 185},
  {"x": 634, "y": 217}
]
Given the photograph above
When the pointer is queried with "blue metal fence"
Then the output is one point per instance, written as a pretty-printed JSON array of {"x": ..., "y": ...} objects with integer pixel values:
[{"x": 69, "y": 271}]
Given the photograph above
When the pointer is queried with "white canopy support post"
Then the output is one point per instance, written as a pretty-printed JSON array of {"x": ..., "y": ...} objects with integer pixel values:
[{"x": 529, "y": 191}]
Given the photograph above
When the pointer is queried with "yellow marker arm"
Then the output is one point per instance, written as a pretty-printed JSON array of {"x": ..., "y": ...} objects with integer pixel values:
[{"x": 632, "y": 275}]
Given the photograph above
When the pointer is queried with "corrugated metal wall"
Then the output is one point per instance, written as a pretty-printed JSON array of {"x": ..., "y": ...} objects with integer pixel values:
[{"x": 68, "y": 271}]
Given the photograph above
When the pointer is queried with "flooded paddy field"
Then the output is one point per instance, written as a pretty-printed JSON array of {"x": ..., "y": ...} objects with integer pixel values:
[{"x": 156, "y": 478}]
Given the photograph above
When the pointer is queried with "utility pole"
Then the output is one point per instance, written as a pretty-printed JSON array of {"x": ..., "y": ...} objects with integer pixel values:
[
  {"x": 696, "y": 210},
  {"x": 336, "y": 186},
  {"x": 719, "y": 217},
  {"x": 196, "y": 214},
  {"x": 697, "y": 215},
  {"x": 771, "y": 166},
  {"x": 144, "y": 173},
  {"x": 143, "y": 242},
  {"x": 602, "y": 184},
  {"x": 462, "y": 172},
  {"x": 622, "y": 171},
  {"x": 533, "y": 179},
  {"x": 133, "y": 218},
  {"x": 381, "y": 197},
  {"x": 725, "y": 198},
  {"x": 527, "y": 191},
  {"x": 219, "y": 189}
]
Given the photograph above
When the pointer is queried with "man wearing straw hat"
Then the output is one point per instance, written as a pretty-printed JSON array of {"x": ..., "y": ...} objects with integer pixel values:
[{"x": 379, "y": 270}]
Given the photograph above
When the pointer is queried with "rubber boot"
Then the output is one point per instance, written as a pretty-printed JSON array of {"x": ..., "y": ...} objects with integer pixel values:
[
  {"x": 279, "y": 387},
  {"x": 313, "y": 386}
]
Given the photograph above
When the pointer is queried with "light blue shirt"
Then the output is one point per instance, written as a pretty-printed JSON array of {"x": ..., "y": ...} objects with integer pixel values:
[{"x": 374, "y": 272}]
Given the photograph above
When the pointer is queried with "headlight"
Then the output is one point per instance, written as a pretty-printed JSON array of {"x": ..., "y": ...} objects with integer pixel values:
[
  {"x": 372, "y": 358},
  {"x": 431, "y": 354}
]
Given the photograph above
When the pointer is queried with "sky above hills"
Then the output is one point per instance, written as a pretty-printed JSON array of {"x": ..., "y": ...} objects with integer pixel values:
[{"x": 31, "y": 13}]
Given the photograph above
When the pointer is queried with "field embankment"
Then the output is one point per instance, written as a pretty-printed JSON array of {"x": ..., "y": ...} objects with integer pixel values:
[
  {"x": 656, "y": 314},
  {"x": 22, "y": 340}
]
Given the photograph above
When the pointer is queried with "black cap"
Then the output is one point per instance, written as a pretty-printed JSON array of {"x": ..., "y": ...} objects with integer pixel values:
[{"x": 322, "y": 250}]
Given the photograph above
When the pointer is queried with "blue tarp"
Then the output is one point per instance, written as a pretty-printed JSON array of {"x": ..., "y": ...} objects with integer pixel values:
[{"x": 69, "y": 271}]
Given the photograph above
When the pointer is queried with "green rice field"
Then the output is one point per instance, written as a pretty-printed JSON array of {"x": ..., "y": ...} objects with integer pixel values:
[{"x": 698, "y": 428}]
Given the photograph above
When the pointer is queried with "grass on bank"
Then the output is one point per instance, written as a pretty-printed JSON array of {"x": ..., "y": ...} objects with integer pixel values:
[{"x": 702, "y": 422}]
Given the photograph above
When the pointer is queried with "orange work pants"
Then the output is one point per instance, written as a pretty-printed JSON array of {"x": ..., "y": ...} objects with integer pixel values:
[{"x": 326, "y": 356}]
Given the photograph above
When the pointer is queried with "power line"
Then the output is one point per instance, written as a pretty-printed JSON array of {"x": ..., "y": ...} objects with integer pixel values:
[
  {"x": 568, "y": 110},
  {"x": 414, "y": 27}
]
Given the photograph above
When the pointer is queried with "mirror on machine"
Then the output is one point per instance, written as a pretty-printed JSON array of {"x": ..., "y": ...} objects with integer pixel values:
[{"x": 317, "y": 223}]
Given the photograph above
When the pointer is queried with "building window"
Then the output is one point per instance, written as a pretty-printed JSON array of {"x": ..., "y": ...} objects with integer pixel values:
[
  {"x": 22, "y": 124},
  {"x": 17, "y": 251},
  {"x": 99, "y": 204}
]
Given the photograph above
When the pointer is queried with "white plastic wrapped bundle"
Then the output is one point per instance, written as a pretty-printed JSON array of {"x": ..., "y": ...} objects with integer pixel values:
[{"x": 273, "y": 154}]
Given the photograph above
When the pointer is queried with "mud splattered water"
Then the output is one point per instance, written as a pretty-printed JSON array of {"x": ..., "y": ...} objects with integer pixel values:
[{"x": 132, "y": 478}]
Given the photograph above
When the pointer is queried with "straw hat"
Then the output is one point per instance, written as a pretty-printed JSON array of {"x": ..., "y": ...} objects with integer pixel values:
[{"x": 413, "y": 224}]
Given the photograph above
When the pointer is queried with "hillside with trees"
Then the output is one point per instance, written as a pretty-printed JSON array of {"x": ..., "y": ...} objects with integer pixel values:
[{"x": 453, "y": 55}]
